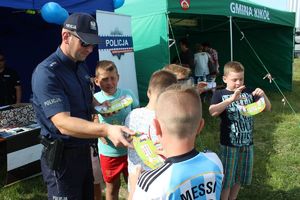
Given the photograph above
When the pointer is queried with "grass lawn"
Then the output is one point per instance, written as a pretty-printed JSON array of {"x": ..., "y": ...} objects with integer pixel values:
[{"x": 277, "y": 152}]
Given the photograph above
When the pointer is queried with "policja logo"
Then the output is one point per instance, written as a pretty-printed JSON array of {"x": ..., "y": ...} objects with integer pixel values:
[{"x": 117, "y": 43}]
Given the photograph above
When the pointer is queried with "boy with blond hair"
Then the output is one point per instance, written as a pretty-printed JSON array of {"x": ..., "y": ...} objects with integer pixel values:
[
  {"x": 183, "y": 76},
  {"x": 181, "y": 73},
  {"x": 141, "y": 119},
  {"x": 113, "y": 159},
  {"x": 186, "y": 173},
  {"x": 236, "y": 135}
]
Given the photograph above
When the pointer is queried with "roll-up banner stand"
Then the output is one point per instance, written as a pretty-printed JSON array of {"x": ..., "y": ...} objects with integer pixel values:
[{"x": 116, "y": 45}]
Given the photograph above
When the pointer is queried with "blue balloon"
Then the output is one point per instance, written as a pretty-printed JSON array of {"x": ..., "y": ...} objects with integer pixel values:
[
  {"x": 53, "y": 13},
  {"x": 118, "y": 3}
]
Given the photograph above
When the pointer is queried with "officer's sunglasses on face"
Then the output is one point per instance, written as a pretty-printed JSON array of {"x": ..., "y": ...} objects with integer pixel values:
[{"x": 82, "y": 43}]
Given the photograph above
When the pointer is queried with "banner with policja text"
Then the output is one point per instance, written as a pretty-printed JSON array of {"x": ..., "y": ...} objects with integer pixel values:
[{"x": 117, "y": 46}]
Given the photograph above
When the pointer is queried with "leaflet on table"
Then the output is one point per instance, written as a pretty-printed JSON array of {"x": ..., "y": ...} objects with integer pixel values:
[
  {"x": 115, "y": 105},
  {"x": 11, "y": 131}
]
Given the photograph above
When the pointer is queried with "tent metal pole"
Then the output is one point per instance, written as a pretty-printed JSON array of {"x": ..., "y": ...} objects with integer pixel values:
[
  {"x": 174, "y": 39},
  {"x": 231, "y": 47}
]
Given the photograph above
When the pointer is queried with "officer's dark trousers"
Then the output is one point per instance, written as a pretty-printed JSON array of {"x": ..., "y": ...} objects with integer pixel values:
[{"x": 74, "y": 179}]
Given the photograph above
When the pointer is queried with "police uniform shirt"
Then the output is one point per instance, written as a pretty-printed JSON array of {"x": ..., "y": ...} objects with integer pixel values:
[
  {"x": 61, "y": 85},
  {"x": 189, "y": 176},
  {"x": 9, "y": 79}
]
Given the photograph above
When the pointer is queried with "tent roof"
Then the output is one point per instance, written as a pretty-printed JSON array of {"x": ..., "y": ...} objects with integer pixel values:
[
  {"x": 71, "y": 6},
  {"x": 235, "y": 8},
  {"x": 258, "y": 34}
]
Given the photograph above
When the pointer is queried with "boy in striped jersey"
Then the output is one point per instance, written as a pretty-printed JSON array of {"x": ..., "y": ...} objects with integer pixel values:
[{"x": 187, "y": 173}]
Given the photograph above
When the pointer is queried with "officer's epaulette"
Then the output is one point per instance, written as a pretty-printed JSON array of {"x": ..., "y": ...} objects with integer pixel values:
[{"x": 53, "y": 64}]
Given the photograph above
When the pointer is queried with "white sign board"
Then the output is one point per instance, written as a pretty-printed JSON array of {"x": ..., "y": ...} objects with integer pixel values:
[{"x": 117, "y": 46}]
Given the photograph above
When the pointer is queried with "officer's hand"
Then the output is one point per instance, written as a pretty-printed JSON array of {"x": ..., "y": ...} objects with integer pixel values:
[{"x": 120, "y": 135}]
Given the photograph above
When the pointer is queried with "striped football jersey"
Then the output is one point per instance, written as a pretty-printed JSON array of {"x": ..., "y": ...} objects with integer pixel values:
[{"x": 190, "y": 176}]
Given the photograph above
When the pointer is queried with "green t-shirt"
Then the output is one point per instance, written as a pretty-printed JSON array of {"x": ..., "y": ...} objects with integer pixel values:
[{"x": 117, "y": 119}]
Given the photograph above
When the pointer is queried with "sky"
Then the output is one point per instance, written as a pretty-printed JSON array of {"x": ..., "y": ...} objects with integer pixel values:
[{"x": 277, "y": 4}]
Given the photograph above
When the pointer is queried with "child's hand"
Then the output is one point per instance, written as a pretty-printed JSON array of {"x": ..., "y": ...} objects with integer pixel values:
[
  {"x": 159, "y": 150},
  {"x": 96, "y": 103},
  {"x": 107, "y": 104},
  {"x": 201, "y": 86},
  {"x": 237, "y": 93},
  {"x": 109, "y": 114},
  {"x": 258, "y": 92}
]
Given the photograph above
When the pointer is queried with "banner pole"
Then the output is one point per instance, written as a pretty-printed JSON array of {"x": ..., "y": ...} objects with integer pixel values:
[{"x": 231, "y": 46}]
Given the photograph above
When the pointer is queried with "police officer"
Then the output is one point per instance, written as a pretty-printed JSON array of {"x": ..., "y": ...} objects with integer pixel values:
[
  {"x": 62, "y": 100},
  {"x": 10, "y": 84}
]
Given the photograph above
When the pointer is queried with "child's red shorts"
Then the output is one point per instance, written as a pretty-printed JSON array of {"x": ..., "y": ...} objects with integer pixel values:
[{"x": 112, "y": 167}]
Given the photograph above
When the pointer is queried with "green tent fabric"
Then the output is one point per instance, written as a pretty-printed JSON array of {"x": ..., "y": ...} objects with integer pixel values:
[{"x": 262, "y": 38}]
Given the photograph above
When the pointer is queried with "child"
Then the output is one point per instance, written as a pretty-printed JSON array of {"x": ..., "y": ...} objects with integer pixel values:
[
  {"x": 236, "y": 135},
  {"x": 183, "y": 76},
  {"x": 187, "y": 173},
  {"x": 181, "y": 73},
  {"x": 113, "y": 159},
  {"x": 141, "y": 119},
  {"x": 98, "y": 180},
  {"x": 201, "y": 60}
]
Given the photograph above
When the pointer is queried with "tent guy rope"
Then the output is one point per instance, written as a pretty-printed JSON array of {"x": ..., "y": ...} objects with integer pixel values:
[{"x": 269, "y": 76}]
